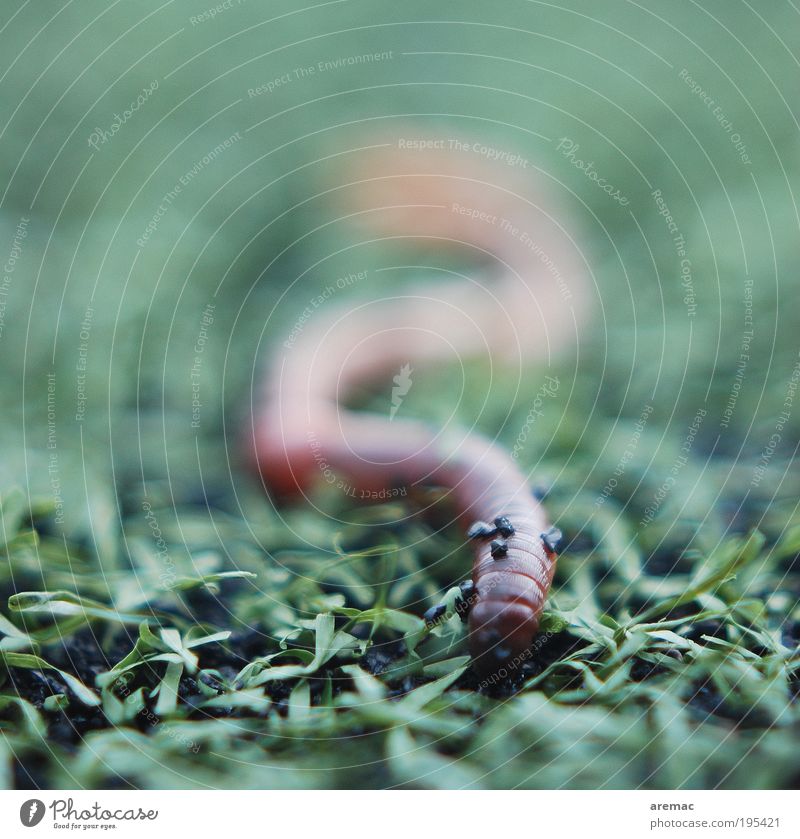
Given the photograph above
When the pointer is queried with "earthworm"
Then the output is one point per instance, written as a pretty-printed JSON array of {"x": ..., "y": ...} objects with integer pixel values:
[{"x": 301, "y": 433}]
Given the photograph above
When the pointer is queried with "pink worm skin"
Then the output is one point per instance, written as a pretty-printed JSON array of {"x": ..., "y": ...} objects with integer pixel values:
[{"x": 300, "y": 428}]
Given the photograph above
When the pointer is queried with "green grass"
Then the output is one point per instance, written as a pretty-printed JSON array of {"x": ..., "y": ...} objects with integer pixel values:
[
  {"x": 269, "y": 676},
  {"x": 162, "y": 624}
]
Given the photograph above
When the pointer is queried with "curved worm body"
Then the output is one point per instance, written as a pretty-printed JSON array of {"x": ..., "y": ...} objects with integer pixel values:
[{"x": 301, "y": 432}]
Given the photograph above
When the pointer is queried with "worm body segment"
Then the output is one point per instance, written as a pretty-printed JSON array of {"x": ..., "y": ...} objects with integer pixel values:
[{"x": 301, "y": 432}]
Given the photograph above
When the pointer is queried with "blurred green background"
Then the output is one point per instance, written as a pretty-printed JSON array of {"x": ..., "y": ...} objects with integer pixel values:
[{"x": 697, "y": 100}]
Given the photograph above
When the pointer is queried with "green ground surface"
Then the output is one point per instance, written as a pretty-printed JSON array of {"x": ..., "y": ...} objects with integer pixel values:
[{"x": 162, "y": 625}]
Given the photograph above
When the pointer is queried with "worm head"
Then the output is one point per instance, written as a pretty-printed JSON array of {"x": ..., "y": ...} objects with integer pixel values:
[{"x": 500, "y": 637}]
